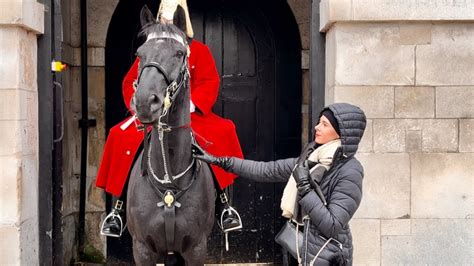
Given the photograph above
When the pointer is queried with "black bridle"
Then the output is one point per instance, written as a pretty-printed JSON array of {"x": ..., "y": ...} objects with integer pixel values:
[{"x": 170, "y": 196}]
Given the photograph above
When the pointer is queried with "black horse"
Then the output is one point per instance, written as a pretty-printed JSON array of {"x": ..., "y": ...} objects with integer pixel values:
[{"x": 170, "y": 196}]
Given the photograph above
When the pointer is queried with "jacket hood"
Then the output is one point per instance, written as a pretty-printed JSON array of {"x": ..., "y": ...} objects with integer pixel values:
[{"x": 352, "y": 122}]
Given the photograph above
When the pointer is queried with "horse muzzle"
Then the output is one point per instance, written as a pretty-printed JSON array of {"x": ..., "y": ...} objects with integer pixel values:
[{"x": 147, "y": 109}]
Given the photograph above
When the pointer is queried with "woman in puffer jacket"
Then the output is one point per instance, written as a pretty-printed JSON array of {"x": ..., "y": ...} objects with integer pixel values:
[{"x": 327, "y": 183}]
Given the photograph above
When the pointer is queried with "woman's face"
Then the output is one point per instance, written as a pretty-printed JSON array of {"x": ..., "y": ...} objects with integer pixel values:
[{"x": 324, "y": 132}]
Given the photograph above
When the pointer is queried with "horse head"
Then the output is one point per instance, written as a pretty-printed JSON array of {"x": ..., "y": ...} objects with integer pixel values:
[{"x": 162, "y": 70}]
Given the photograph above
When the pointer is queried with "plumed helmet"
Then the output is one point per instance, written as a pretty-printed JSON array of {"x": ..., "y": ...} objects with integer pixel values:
[{"x": 176, "y": 12}]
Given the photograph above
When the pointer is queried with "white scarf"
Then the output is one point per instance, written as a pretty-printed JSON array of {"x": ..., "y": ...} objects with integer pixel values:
[{"x": 323, "y": 155}]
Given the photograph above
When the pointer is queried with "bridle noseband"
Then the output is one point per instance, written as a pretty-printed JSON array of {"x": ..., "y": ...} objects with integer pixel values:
[{"x": 172, "y": 90}]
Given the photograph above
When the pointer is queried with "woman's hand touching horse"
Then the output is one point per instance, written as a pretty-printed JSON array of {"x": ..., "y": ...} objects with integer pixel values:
[{"x": 200, "y": 154}]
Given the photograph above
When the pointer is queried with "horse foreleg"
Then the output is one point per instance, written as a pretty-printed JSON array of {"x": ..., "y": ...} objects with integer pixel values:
[
  {"x": 144, "y": 256},
  {"x": 197, "y": 255}
]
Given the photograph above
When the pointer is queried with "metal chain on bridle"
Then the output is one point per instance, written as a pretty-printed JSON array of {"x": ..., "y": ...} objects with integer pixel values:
[{"x": 172, "y": 90}]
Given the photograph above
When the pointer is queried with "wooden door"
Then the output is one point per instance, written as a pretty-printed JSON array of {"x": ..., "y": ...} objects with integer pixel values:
[{"x": 257, "y": 53}]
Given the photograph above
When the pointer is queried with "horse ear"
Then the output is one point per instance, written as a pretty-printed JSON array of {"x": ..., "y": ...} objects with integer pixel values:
[
  {"x": 179, "y": 19},
  {"x": 146, "y": 17}
]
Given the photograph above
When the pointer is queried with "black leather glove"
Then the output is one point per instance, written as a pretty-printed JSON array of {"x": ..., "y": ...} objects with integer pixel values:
[
  {"x": 301, "y": 175},
  {"x": 200, "y": 154}
]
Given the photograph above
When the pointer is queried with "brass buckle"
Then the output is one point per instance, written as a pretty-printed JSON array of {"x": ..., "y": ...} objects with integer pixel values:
[
  {"x": 223, "y": 198},
  {"x": 118, "y": 205}
]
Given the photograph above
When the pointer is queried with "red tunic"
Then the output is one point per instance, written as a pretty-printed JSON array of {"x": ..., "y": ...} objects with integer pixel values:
[{"x": 215, "y": 134}]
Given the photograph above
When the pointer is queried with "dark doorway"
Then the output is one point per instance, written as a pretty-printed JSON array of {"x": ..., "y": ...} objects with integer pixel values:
[{"x": 257, "y": 52}]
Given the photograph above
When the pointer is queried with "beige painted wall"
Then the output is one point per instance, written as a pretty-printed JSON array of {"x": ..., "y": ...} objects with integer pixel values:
[
  {"x": 20, "y": 23},
  {"x": 415, "y": 81}
]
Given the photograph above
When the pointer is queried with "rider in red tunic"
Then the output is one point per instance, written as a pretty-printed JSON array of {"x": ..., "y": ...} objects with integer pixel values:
[{"x": 213, "y": 133}]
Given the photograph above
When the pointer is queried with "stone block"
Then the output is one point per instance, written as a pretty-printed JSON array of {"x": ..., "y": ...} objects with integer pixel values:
[
  {"x": 29, "y": 188},
  {"x": 386, "y": 188},
  {"x": 371, "y": 54},
  {"x": 28, "y": 58},
  {"x": 466, "y": 135},
  {"x": 71, "y": 197},
  {"x": 396, "y": 227},
  {"x": 9, "y": 195},
  {"x": 95, "y": 57},
  {"x": 439, "y": 135},
  {"x": 436, "y": 135},
  {"x": 305, "y": 59},
  {"x": 389, "y": 134},
  {"x": 330, "y": 74},
  {"x": 433, "y": 242},
  {"x": 449, "y": 60},
  {"x": 9, "y": 245},
  {"x": 10, "y": 65},
  {"x": 99, "y": 14},
  {"x": 12, "y": 104},
  {"x": 455, "y": 102},
  {"x": 367, "y": 144},
  {"x": 96, "y": 86},
  {"x": 30, "y": 127},
  {"x": 301, "y": 10},
  {"x": 70, "y": 225},
  {"x": 414, "y": 102},
  {"x": 29, "y": 242},
  {"x": 363, "y": 97},
  {"x": 74, "y": 21},
  {"x": 28, "y": 15},
  {"x": 12, "y": 137},
  {"x": 442, "y": 185},
  {"x": 66, "y": 22},
  {"x": 95, "y": 240},
  {"x": 306, "y": 87},
  {"x": 413, "y": 141},
  {"x": 389, "y": 10},
  {"x": 304, "y": 128},
  {"x": 305, "y": 35},
  {"x": 366, "y": 241},
  {"x": 415, "y": 34},
  {"x": 332, "y": 11}
]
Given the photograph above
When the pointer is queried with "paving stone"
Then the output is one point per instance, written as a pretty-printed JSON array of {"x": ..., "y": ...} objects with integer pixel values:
[
  {"x": 413, "y": 141},
  {"x": 415, "y": 33},
  {"x": 439, "y": 135},
  {"x": 366, "y": 144}
]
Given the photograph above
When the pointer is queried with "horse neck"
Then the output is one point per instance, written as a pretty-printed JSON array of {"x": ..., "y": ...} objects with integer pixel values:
[{"x": 178, "y": 139}]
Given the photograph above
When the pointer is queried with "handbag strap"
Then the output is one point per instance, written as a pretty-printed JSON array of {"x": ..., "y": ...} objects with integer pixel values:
[
  {"x": 320, "y": 250},
  {"x": 297, "y": 243}
]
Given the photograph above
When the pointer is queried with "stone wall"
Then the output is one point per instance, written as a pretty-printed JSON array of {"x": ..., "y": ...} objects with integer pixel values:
[
  {"x": 414, "y": 79},
  {"x": 20, "y": 23}
]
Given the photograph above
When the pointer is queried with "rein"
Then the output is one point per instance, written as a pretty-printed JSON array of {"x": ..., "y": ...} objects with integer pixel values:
[
  {"x": 169, "y": 197},
  {"x": 172, "y": 90}
]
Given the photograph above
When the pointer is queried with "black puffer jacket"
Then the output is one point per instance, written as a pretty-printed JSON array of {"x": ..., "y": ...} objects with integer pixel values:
[{"x": 341, "y": 185}]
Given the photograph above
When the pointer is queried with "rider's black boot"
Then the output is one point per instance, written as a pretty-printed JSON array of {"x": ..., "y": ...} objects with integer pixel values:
[{"x": 113, "y": 224}]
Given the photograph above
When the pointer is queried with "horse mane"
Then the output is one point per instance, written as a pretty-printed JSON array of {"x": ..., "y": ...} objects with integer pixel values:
[{"x": 158, "y": 27}]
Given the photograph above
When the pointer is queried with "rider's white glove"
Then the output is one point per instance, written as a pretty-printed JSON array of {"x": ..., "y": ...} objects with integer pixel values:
[{"x": 192, "y": 107}]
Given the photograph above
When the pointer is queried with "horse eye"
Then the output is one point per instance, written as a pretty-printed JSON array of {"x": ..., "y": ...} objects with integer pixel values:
[{"x": 179, "y": 53}]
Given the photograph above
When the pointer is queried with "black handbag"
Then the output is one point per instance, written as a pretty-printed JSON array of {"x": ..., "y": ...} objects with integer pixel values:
[{"x": 290, "y": 238}]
